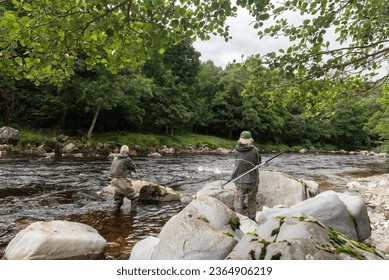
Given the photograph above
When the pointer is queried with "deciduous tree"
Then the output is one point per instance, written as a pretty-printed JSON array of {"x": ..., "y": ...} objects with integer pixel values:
[
  {"x": 41, "y": 39},
  {"x": 329, "y": 38}
]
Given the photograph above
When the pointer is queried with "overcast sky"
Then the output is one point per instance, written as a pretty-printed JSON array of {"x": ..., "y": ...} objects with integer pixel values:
[{"x": 245, "y": 41}]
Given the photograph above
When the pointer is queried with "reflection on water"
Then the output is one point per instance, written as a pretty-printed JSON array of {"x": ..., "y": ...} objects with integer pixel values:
[{"x": 33, "y": 189}]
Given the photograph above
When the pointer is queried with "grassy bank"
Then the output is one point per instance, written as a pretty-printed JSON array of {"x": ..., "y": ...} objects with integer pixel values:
[
  {"x": 153, "y": 140},
  {"x": 120, "y": 138}
]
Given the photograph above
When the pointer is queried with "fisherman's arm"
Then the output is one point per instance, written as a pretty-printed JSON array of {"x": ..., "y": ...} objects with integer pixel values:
[{"x": 130, "y": 165}]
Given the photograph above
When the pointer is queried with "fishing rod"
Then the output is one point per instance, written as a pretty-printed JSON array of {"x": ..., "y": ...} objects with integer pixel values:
[{"x": 255, "y": 167}]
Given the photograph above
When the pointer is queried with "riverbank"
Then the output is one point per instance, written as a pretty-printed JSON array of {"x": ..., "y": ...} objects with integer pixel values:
[
  {"x": 64, "y": 149},
  {"x": 49, "y": 145},
  {"x": 374, "y": 190},
  {"x": 144, "y": 143}
]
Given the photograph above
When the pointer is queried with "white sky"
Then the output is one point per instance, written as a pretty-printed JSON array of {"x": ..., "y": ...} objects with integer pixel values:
[{"x": 245, "y": 41}]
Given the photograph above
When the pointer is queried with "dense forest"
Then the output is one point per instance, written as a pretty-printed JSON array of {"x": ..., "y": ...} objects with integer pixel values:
[{"x": 168, "y": 90}]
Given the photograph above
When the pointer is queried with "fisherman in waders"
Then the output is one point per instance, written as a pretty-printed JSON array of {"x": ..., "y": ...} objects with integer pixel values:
[
  {"x": 120, "y": 171},
  {"x": 246, "y": 157}
]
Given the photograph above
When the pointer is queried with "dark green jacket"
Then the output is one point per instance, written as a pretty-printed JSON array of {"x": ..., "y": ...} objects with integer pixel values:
[
  {"x": 246, "y": 158},
  {"x": 122, "y": 166}
]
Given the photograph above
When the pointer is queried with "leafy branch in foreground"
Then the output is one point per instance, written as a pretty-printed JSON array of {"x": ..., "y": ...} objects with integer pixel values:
[
  {"x": 41, "y": 40},
  {"x": 328, "y": 38}
]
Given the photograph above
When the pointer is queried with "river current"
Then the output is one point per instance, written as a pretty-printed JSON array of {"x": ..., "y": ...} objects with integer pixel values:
[{"x": 36, "y": 189}]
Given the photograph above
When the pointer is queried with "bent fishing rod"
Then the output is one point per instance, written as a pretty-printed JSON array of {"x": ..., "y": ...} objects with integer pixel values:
[{"x": 255, "y": 167}]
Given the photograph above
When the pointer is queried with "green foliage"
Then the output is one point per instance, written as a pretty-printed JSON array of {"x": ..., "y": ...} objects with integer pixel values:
[
  {"x": 359, "y": 45},
  {"x": 42, "y": 40},
  {"x": 227, "y": 103},
  {"x": 364, "y": 247},
  {"x": 174, "y": 74},
  {"x": 153, "y": 140},
  {"x": 379, "y": 122},
  {"x": 31, "y": 137},
  {"x": 234, "y": 223},
  {"x": 130, "y": 66}
]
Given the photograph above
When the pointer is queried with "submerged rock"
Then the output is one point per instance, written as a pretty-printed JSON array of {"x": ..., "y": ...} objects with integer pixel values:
[{"x": 148, "y": 191}]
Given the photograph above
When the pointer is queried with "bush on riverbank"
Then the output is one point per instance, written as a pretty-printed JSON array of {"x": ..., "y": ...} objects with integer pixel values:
[
  {"x": 152, "y": 140},
  {"x": 37, "y": 138}
]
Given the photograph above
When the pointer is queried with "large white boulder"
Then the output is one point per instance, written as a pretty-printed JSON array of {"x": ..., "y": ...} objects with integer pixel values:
[
  {"x": 357, "y": 208},
  {"x": 299, "y": 238},
  {"x": 327, "y": 208},
  {"x": 277, "y": 188},
  {"x": 215, "y": 189},
  {"x": 144, "y": 248},
  {"x": 206, "y": 229},
  {"x": 56, "y": 240}
]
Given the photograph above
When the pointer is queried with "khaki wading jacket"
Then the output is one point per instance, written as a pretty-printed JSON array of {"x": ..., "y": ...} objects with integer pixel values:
[
  {"x": 122, "y": 166},
  {"x": 246, "y": 158}
]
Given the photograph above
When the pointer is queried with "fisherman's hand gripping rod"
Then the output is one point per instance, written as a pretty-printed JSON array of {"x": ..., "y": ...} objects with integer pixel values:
[{"x": 255, "y": 167}]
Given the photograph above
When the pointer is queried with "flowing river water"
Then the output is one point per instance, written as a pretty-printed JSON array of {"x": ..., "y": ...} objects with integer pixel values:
[{"x": 34, "y": 189}]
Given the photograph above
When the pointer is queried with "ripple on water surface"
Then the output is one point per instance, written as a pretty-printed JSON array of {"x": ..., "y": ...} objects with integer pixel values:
[{"x": 32, "y": 189}]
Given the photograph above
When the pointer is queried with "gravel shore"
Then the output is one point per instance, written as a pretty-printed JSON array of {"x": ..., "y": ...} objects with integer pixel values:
[{"x": 375, "y": 192}]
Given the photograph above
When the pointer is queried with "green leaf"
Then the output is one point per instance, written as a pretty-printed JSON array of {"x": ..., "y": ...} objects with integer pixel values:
[
  {"x": 175, "y": 23},
  {"x": 264, "y": 17},
  {"x": 18, "y": 60},
  {"x": 27, "y": 7}
]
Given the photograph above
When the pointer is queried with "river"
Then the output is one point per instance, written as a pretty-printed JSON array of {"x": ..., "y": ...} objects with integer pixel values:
[{"x": 36, "y": 189}]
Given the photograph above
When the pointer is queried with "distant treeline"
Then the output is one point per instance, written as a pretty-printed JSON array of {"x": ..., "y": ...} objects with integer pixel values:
[{"x": 175, "y": 93}]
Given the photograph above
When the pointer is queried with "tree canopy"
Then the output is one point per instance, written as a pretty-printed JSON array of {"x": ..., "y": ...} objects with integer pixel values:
[
  {"x": 329, "y": 38},
  {"x": 41, "y": 39},
  {"x": 294, "y": 94}
]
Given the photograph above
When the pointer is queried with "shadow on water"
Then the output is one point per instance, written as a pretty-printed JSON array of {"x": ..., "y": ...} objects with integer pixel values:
[{"x": 33, "y": 189}]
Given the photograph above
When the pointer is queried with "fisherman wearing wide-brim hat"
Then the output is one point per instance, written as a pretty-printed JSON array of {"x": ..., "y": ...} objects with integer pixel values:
[{"x": 246, "y": 157}]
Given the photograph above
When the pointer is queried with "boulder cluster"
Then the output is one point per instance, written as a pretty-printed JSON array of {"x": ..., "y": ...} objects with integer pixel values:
[
  {"x": 324, "y": 226},
  {"x": 294, "y": 221}
]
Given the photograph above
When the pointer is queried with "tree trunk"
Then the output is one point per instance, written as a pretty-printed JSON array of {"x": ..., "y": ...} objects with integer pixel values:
[
  {"x": 92, "y": 126},
  {"x": 10, "y": 105},
  {"x": 229, "y": 133}
]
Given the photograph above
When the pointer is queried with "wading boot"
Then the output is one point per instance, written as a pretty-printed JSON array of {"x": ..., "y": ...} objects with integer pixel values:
[
  {"x": 116, "y": 209},
  {"x": 134, "y": 206}
]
